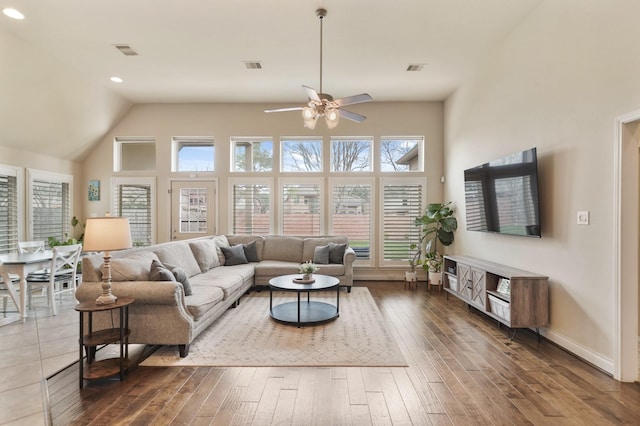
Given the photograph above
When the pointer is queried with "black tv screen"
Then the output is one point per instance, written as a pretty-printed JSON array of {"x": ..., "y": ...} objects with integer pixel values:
[{"x": 502, "y": 196}]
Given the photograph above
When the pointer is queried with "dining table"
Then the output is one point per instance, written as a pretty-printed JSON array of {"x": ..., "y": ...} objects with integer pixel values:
[{"x": 22, "y": 264}]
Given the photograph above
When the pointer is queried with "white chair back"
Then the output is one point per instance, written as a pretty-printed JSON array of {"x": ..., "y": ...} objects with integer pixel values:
[
  {"x": 65, "y": 260},
  {"x": 30, "y": 246},
  {"x": 7, "y": 288}
]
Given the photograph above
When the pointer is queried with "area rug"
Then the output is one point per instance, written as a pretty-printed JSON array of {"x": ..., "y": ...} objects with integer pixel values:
[{"x": 247, "y": 337}]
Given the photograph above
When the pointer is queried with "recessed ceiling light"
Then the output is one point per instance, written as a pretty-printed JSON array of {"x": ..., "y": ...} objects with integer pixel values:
[
  {"x": 117, "y": 79},
  {"x": 12, "y": 13}
]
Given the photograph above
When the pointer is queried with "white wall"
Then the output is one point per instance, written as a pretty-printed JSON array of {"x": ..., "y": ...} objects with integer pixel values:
[
  {"x": 223, "y": 121},
  {"x": 556, "y": 83}
]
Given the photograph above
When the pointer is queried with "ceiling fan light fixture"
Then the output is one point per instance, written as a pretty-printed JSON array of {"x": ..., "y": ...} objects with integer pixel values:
[
  {"x": 332, "y": 117},
  {"x": 308, "y": 113}
]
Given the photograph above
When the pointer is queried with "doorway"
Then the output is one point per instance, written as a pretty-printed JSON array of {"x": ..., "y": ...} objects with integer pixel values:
[
  {"x": 193, "y": 208},
  {"x": 626, "y": 248}
]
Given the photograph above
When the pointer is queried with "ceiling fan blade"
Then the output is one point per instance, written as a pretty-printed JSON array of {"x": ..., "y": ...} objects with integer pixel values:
[
  {"x": 356, "y": 99},
  {"x": 311, "y": 93},
  {"x": 284, "y": 109},
  {"x": 358, "y": 118}
]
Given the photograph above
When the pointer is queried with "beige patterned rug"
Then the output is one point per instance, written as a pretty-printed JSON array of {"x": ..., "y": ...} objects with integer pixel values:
[{"x": 248, "y": 337}]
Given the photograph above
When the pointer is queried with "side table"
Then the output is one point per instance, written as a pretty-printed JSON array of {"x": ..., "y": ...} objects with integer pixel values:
[{"x": 92, "y": 369}]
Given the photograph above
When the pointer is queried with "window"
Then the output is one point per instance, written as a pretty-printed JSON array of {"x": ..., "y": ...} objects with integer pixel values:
[
  {"x": 301, "y": 155},
  {"x": 134, "y": 154},
  {"x": 49, "y": 205},
  {"x": 251, "y": 207},
  {"x": 193, "y": 154},
  {"x": 402, "y": 202},
  {"x": 350, "y": 214},
  {"x": 351, "y": 155},
  {"x": 401, "y": 154},
  {"x": 252, "y": 154},
  {"x": 9, "y": 214},
  {"x": 133, "y": 198},
  {"x": 301, "y": 207}
]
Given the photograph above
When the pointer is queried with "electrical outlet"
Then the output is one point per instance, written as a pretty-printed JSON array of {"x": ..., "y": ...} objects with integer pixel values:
[{"x": 583, "y": 217}]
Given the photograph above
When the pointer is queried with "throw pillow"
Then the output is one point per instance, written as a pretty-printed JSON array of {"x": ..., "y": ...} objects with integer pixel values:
[
  {"x": 321, "y": 254},
  {"x": 336, "y": 252},
  {"x": 181, "y": 276},
  {"x": 234, "y": 255},
  {"x": 251, "y": 252},
  {"x": 159, "y": 272},
  {"x": 205, "y": 253},
  {"x": 220, "y": 241}
]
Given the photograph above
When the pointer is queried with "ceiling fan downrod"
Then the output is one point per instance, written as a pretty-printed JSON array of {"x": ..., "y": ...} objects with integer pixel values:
[{"x": 321, "y": 13}]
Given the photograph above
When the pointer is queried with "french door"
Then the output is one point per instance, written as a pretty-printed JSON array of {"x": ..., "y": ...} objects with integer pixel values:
[{"x": 193, "y": 209}]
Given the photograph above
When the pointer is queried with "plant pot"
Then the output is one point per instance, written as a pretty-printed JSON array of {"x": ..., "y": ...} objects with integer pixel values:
[
  {"x": 307, "y": 277},
  {"x": 410, "y": 277},
  {"x": 435, "y": 278}
]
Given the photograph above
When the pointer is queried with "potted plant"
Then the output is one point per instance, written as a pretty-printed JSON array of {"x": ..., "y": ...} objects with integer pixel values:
[
  {"x": 437, "y": 225},
  {"x": 307, "y": 269}
]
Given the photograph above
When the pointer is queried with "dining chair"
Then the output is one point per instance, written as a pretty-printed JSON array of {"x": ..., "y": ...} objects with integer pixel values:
[
  {"x": 63, "y": 269},
  {"x": 30, "y": 246},
  {"x": 8, "y": 288}
]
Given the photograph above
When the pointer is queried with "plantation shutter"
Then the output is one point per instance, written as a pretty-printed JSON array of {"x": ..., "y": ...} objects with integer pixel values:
[
  {"x": 133, "y": 201},
  {"x": 251, "y": 209},
  {"x": 8, "y": 214},
  {"x": 402, "y": 203},
  {"x": 51, "y": 211},
  {"x": 301, "y": 209},
  {"x": 351, "y": 216},
  {"x": 475, "y": 206}
]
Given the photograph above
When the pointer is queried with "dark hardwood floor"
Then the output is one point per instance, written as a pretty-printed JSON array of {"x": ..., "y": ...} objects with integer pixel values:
[{"x": 463, "y": 369}]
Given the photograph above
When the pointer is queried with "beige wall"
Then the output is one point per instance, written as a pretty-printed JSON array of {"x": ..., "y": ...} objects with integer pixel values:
[
  {"x": 557, "y": 83},
  {"x": 223, "y": 121}
]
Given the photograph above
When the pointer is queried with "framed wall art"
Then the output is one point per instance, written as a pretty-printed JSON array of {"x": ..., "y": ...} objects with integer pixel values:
[{"x": 94, "y": 190}]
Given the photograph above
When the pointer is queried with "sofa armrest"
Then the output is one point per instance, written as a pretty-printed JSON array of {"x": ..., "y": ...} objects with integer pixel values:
[
  {"x": 348, "y": 259},
  {"x": 144, "y": 292}
]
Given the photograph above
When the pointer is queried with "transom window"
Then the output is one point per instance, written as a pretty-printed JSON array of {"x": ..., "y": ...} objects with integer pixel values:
[
  {"x": 351, "y": 155},
  {"x": 193, "y": 154},
  {"x": 251, "y": 154},
  {"x": 131, "y": 154},
  {"x": 301, "y": 155},
  {"x": 401, "y": 154}
]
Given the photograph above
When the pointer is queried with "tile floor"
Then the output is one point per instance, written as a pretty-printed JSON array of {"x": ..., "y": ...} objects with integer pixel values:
[{"x": 29, "y": 353}]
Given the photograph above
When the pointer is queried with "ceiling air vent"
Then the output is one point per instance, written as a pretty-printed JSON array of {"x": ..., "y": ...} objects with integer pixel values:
[
  {"x": 415, "y": 67},
  {"x": 126, "y": 50},
  {"x": 253, "y": 65}
]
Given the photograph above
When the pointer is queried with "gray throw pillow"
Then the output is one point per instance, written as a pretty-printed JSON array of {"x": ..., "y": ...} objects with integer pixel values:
[
  {"x": 159, "y": 272},
  {"x": 181, "y": 276},
  {"x": 336, "y": 252},
  {"x": 234, "y": 255},
  {"x": 251, "y": 252},
  {"x": 321, "y": 255}
]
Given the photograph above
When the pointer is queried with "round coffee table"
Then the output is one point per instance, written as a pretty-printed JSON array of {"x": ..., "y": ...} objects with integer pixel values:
[{"x": 304, "y": 313}]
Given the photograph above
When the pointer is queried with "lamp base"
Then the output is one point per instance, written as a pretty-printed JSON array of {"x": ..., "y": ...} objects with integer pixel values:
[{"x": 106, "y": 299}]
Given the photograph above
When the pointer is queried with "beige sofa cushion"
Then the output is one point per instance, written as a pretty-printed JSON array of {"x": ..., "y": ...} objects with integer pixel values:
[
  {"x": 205, "y": 253},
  {"x": 135, "y": 267},
  {"x": 288, "y": 249},
  {"x": 203, "y": 299},
  {"x": 274, "y": 268},
  {"x": 220, "y": 241},
  {"x": 179, "y": 254}
]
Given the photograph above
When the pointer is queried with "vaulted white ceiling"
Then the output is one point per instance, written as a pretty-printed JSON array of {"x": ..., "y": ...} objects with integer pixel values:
[{"x": 194, "y": 51}]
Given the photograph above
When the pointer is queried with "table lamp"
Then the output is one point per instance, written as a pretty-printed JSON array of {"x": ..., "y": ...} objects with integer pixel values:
[{"x": 106, "y": 234}]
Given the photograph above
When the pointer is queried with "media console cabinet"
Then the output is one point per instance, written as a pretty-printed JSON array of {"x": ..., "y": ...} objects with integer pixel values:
[{"x": 476, "y": 282}]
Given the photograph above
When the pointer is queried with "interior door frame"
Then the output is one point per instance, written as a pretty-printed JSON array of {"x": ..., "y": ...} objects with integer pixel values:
[
  {"x": 626, "y": 251},
  {"x": 216, "y": 187}
]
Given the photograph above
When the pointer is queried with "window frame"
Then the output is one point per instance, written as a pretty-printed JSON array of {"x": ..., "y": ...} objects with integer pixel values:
[
  {"x": 244, "y": 139},
  {"x": 338, "y": 139},
  {"x": 33, "y": 175},
  {"x": 118, "y": 181},
  {"x": 372, "y": 211},
  {"x": 178, "y": 142},
  {"x": 118, "y": 143},
  {"x": 421, "y": 159},
  {"x": 252, "y": 181},
  {"x": 18, "y": 174},
  {"x": 283, "y": 142},
  {"x": 398, "y": 181}
]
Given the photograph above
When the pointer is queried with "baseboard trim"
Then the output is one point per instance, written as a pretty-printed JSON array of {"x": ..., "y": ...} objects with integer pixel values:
[{"x": 597, "y": 360}]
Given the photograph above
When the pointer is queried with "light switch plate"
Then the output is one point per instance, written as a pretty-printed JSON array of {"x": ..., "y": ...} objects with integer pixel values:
[{"x": 583, "y": 217}]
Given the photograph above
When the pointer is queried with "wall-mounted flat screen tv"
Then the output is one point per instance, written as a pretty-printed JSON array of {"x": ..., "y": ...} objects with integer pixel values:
[{"x": 501, "y": 196}]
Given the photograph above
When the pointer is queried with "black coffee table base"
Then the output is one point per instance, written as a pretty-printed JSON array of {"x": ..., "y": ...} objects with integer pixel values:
[{"x": 309, "y": 313}]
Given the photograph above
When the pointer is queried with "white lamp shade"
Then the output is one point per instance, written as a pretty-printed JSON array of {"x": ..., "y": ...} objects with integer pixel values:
[{"x": 106, "y": 234}]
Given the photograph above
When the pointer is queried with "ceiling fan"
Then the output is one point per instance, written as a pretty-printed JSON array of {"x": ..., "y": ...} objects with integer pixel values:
[{"x": 322, "y": 104}]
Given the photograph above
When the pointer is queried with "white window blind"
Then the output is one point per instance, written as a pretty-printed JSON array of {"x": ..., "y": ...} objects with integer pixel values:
[
  {"x": 402, "y": 202},
  {"x": 133, "y": 201},
  {"x": 8, "y": 213},
  {"x": 350, "y": 215},
  {"x": 251, "y": 209},
  {"x": 301, "y": 209},
  {"x": 51, "y": 209}
]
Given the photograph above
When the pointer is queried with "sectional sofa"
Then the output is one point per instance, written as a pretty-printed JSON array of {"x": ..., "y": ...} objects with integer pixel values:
[{"x": 181, "y": 287}]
